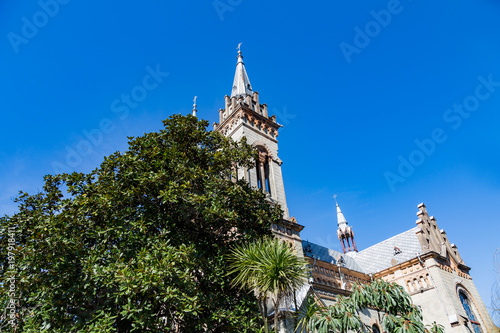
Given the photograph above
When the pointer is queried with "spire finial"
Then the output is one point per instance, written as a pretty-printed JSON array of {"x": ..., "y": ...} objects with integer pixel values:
[
  {"x": 241, "y": 83},
  {"x": 194, "y": 106},
  {"x": 240, "y": 56},
  {"x": 335, "y": 197}
]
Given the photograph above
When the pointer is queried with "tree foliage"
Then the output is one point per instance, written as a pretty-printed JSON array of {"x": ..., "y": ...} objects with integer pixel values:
[
  {"x": 399, "y": 315},
  {"x": 139, "y": 243},
  {"x": 306, "y": 313},
  {"x": 269, "y": 267}
]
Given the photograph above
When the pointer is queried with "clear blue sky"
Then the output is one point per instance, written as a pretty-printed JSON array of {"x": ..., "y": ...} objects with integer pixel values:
[{"x": 352, "y": 103}]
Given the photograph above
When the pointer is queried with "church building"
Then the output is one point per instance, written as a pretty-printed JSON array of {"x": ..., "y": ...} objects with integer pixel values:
[{"x": 421, "y": 259}]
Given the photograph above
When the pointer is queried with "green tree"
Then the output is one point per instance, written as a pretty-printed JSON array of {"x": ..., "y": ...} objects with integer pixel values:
[
  {"x": 268, "y": 267},
  {"x": 341, "y": 317},
  {"x": 138, "y": 244},
  {"x": 306, "y": 312},
  {"x": 389, "y": 299}
]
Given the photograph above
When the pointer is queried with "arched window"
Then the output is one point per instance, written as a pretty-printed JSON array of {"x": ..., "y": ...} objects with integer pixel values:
[
  {"x": 469, "y": 310},
  {"x": 375, "y": 329},
  {"x": 408, "y": 286}
]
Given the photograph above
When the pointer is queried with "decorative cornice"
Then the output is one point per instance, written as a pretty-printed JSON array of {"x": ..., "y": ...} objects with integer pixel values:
[
  {"x": 254, "y": 119},
  {"x": 250, "y": 128},
  {"x": 287, "y": 227},
  {"x": 404, "y": 266}
]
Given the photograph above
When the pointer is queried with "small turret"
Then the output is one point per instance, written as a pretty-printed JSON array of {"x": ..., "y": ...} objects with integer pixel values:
[{"x": 344, "y": 232}]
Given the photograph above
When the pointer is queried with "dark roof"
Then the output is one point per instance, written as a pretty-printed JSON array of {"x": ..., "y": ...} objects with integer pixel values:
[{"x": 328, "y": 255}]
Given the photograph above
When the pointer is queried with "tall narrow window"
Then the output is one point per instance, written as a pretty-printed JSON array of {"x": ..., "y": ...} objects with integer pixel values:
[
  {"x": 267, "y": 171},
  {"x": 259, "y": 176},
  {"x": 263, "y": 171},
  {"x": 476, "y": 326}
]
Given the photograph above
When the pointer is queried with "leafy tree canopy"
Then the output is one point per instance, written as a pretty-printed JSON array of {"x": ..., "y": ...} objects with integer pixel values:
[{"x": 139, "y": 243}]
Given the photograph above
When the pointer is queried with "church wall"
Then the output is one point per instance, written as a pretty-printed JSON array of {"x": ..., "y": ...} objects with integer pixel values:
[
  {"x": 432, "y": 308},
  {"x": 435, "y": 290},
  {"x": 280, "y": 190},
  {"x": 236, "y": 136},
  {"x": 417, "y": 282},
  {"x": 442, "y": 281},
  {"x": 372, "y": 317},
  {"x": 446, "y": 281},
  {"x": 254, "y": 137},
  {"x": 485, "y": 319}
]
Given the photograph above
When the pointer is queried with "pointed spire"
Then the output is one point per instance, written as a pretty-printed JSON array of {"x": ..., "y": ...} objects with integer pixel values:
[
  {"x": 241, "y": 83},
  {"x": 344, "y": 232},
  {"x": 194, "y": 106},
  {"x": 341, "y": 221}
]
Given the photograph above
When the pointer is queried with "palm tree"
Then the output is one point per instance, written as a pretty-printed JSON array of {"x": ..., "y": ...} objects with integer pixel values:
[{"x": 268, "y": 267}]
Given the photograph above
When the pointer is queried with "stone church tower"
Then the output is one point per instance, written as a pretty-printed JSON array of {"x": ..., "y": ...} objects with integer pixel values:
[{"x": 244, "y": 116}]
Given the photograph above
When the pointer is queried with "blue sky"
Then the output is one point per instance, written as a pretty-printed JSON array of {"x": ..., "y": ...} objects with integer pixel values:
[{"x": 385, "y": 103}]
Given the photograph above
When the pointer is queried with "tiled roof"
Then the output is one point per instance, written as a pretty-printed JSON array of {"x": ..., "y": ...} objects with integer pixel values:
[
  {"x": 379, "y": 256},
  {"x": 324, "y": 254}
]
